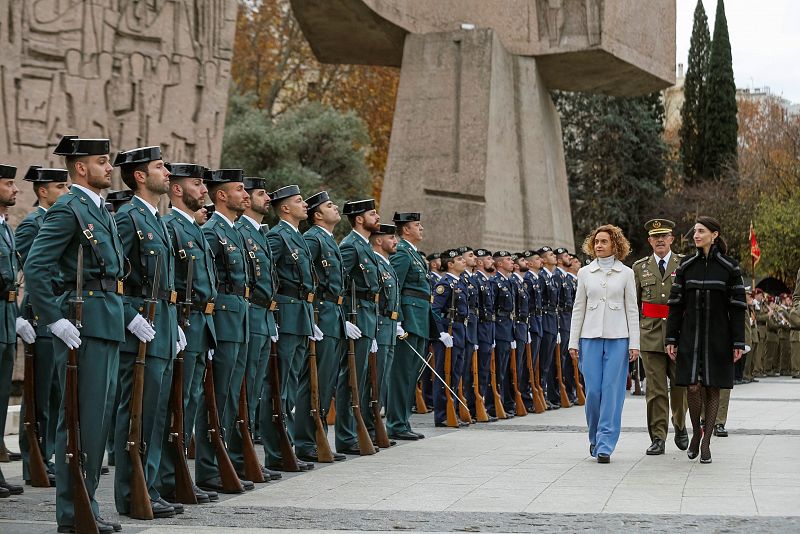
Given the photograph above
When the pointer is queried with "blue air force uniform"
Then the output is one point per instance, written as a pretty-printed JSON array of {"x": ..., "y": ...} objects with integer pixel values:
[
  {"x": 449, "y": 291},
  {"x": 503, "y": 294}
]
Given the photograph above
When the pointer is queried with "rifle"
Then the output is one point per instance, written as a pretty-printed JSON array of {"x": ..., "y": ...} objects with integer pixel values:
[
  {"x": 84, "y": 515},
  {"x": 381, "y": 436},
  {"x": 252, "y": 466},
  {"x": 480, "y": 408},
  {"x": 140, "y": 498},
  {"x": 331, "y": 417},
  {"x": 520, "y": 410},
  {"x": 578, "y": 386},
  {"x": 538, "y": 382},
  {"x": 538, "y": 402},
  {"x": 227, "y": 474},
  {"x": 463, "y": 412},
  {"x": 38, "y": 471},
  {"x": 498, "y": 400},
  {"x": 637, "y": 384},
  {"x": 564, "y": 398},
  {"x": 365, "y": 446},
  {"x": 324, "y": 453},
  {"x": 450, "y": 408},
  {"x": 184, "y": 488},
  {"x": 288, "y": 459},
  {"x": 422, "y": 407}
]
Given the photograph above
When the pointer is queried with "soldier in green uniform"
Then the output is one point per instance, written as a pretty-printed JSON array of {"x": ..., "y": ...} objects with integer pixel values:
[
  {"x": 48, "y": 185},
  {"x": 416, "y": 318},
  {"x": 760, "y": 307},
  {"x": 295, "y": 298},
  {"x": 187, "y": 192},
  {"x": 148, "y": 248},
  {"x": 794, "y": 320},
  {"x": 263, "y": 330},
  {"x": 361, "y": 271},
  {"x": 654, "y": 275},
  {"x": 751, "y": 332},
  {"x": 384, "y": 244},
  {"x": 323, "y": 215},
  {"x": 231, "y": 323},
  {"x": 79, "y": 218}
]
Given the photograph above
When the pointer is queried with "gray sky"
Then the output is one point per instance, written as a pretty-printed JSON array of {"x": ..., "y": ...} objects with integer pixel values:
[{"x": 765, "y": 41}]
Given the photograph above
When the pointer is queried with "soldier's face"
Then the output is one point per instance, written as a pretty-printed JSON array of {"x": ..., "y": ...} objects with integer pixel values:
[
  {"x": 535, "y": 262},
  {"x": 296, "y": 207},
  {"x": 505, "y": 264},
  {"x": 549, "y": 258},
  {"x": 389, "y": 244},
  {"x": 49, "y": 193},
  {"x": 563, "y": 259},
  {"x": 8, "y": 192},
  {"x": 413, "y": 231},
  {"x": 330, "y": 213},
  {"x": 235, "y": 197},
  {"x": 458, "y": 265},
  {"x": 661, "y": 243},
  {"x": 435, "y": 264},
  {"x": 192, "y": 191},
  {"x": 96, "y": 170},
  {"x": 156, "y": 179},
  {"x": 259, "y": 201},
  {"x": 522, "y": 263},
  {"x": 488, "y": 264},
  {"x": 470, "y": 259},
  {"x": 372, "y": 221}
]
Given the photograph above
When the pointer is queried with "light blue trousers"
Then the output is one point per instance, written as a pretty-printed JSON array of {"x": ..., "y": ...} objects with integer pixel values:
[{"x": 604, "y": 364}]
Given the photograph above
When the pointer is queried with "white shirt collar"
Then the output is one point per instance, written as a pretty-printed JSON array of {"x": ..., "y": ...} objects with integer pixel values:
[
  {"x": 251, "y": 221},
  {"x": 227, "y": 220},
  {"x": 97, "y": 199},
  {"x": 149, "y": 206},
  {"x": 326, "y": 231},
  {"x": 518, "y": 275},
  {"x": 451, "y": 275},
  {"x": 533, "y": 274},
  {"x": 184, "y": 214},
  {"x": 666, "y": 258},
  {"x": 561, "y": 269},
  {"x": 42, "y": 208},
  {"x": 290, "y": 225},
  {"x": 381, "y": 256},
  {"x": 361, "y": 236},
  {"x": 437, "y": 275},
  {"x": 410, "y": 244},
  {"x": 548, "y": 271},
  {"x": 572, "y": 275}
]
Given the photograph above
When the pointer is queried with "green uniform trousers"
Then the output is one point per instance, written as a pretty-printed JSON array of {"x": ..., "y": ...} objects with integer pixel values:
[
  {"x": 7, "y": 353},
  {"x": 403, "y": 382},
  {"x": 255, "y": 370},
  {"x": 724, "y": 402},
  {"x": 98, "y": 368},
  {"x": 795, "y": 342},
  {"x": 155, "y": 401},
  {"x": 329, "y": 354},
  {"x": 384, "y": 357},
  {"x": 785, "y": 353},
  {"x": 750, "y": 362},
  {"x": 660, "y": 395},
  {"x": 48, "y": 399},
  {"x": 345, "y": 426}
]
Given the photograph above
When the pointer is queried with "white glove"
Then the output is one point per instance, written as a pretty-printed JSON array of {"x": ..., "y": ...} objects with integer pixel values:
[
  {"x": 529, "y": 337},
  {"x": 514, "y": 345},
  {"x": 476, "y": 347},
  {"x": 446, "y": 338},
  {"x": 274, "y": 338},
  {"x": 400, "y": 331},
  {"x": 747, "y": 348},
  {"x": 317, "y": 334},
  {"x": 558, "y": 338},
  {"x": 374, "y": 347},
  {"x": 140, "y": 328},
  {"x": 353, "y": 332},
  {"x": 181, "y": 339},
  {"x": 66, "y": 332},
  {"x": 210, "y": 354},
  {"x": 494, "y": 344},
  {"x": 26, "y": 331}
]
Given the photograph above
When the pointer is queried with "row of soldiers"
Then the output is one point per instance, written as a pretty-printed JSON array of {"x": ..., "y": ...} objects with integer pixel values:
[{"x": 776, "y": 338}]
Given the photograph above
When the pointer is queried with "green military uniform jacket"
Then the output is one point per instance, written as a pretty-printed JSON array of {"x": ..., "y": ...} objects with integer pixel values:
[
  {"x": 190, "y": 244},
  {"x": 330, "y": 281},
  {"x": 26, "y": 232},
  {"x": 231, "y": 307},
  {"x": 9, "y": 266},
  {"x": 292, "y": 261},
  {"x": 653, "y": 288},
  {"x": 103, "y": 258},
  {"x": 361, "y": 268},
  {"x": 262, "y": 278},
  {"x": 388, "y": 303},
  {"x": 412, "y": 278},
  {"x": 146, "y": 241}
]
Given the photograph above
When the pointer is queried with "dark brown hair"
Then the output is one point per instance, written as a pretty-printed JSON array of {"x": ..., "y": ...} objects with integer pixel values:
[{"x": 712, "y": 224}]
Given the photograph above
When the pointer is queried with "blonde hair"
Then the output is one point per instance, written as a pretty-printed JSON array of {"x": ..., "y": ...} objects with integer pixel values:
[{"x": 619, "y": 242}]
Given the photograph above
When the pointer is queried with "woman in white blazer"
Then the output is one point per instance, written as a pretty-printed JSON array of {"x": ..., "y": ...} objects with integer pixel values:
[{"x": 604, "y": 335}]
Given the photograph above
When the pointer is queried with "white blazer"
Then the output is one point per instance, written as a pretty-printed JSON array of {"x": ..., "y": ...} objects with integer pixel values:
[{"x": 605, "y": 305}]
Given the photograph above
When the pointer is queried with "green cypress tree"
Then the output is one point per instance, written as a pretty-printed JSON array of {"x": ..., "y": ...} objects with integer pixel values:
[
  {"x": 692, "y": 132},
  {"x": 722, "y": 127}
]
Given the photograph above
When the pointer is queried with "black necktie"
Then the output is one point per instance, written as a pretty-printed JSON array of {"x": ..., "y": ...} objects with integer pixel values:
[{"x": 662, "y": 267}]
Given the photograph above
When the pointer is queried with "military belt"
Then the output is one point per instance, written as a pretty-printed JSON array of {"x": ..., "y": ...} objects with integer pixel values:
[
  {"x": 239, "y": 291},
  {"x": 368, "y": 296},
  {"x": 487, "y": 318},
  {"x": 260, "y": 300},
  {"x": 417, "y": 294},
  {"x": 203, "y": 306},
  {"x": 293, "y": 292},
  {"x": 168, "y": 296},
  {"x": 522, "y": 317},
  {"x": 9, "y": 296},
  {"x": 108, "y": 285},
  {"x": 501, "y": 313},
  {"x": 330, "y": 297},
  {"x": 393, "y": 316}
]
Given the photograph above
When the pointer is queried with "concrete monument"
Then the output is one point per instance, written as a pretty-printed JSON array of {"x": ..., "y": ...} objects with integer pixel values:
[
  {"x": 140, "y": 72},
  {"x": 476, "y": 141}
]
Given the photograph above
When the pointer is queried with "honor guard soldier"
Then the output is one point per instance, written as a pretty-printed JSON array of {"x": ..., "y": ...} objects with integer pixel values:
[
  {"x": 654, "y": 275},
  {"x": 416, "y": 318},
  {"x": 227, "y": 192},
  {"x": 295, "y": 298},
  {"x": 464, "y": 377},
  {"x": 569, "y": 286},
  {"x": 77, "y": 228},
  {"x": 550, "y": 334},
  {"x": 148, "y": 248},
  {"x": 48, "y": 185},
  {"x": 484, "y": 270},
  {"x": 323, "y": 216},
  {"x": 384, "y": 244},
  {"x": 530, "y": 273},
  {"x": 186, "y": 194},
  {"x": 361, "y": 269},
  {"x": 434, "y": 268},
  {"x": 503, "y": 294},
  {"x": 522, "y": 334}
]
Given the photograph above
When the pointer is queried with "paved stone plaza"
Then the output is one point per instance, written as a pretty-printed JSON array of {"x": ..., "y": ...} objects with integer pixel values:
[{"x": 529, "y": 474}]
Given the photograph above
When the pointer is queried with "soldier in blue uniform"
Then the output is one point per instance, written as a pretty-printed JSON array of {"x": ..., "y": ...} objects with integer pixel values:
[
  {"x": 530, "y": 268},
  {"x": 522, "y": 334},
  {"x": 569, "y": 285},
  {"x": 550, "y": 335},
  {"x": 504, "y": 299},
  {"x": 465, "y": 376},
  {"x": 484, "y": 270}
]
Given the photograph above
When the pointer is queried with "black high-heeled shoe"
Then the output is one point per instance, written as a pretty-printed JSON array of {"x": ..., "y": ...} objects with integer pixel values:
[
  {"x": 705, "y": 457},
  {"x": 694, "y": 446}
]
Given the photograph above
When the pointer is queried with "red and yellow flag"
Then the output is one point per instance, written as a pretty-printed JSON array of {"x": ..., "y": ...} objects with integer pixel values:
[{"x": 755, "y": 251}]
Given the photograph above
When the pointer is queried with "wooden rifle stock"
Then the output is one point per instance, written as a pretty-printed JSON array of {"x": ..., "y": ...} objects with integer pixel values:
[
  {"x": 324, "y": 453},
  {"x": 184, "y": 487},
  {"x": 36, "y": 467},
  {"x": 578, "y": 386},
  {"x": 331, "y": 418},
  {"x": 288, "y": 459},
  {"x": 381, "y": 436},
  {"x": 364, "y": 441},
  {"x": 539, "y": 388},
  {"x": 519, "y": 410},
  {"x": 450, "y": 408},
  {"x": 538, "y": 402},
  {"x": 422, "y": 407},
  {"x": 498, "y": 400},
  {"x": 252, "y": 466},
  {"x": 227, "y": 474},
  {"x": 480, "y": 407},
  {"x": 562, "y": 388},
  {"x": 463, "y": 412}
]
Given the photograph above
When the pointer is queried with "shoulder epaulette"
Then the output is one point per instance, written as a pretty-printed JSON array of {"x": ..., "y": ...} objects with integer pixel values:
[{"x": 642, "y": 260}]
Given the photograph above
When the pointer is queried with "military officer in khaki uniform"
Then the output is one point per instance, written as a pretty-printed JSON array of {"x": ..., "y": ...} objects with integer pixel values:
[{"x": 654, "y": 275}]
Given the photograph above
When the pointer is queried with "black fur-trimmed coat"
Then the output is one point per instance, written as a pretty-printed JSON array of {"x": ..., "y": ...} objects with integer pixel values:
[{"x": 707, "y": 309}]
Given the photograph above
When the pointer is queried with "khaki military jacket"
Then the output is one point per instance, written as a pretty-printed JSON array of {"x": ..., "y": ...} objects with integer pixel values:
[{"x": 652, "y": 288}]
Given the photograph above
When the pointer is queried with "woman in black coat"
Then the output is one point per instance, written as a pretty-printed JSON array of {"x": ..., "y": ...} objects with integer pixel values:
[{"x": 705, "y": 328}]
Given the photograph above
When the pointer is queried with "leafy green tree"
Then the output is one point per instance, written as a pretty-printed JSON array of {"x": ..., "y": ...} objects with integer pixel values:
[
  {"x": 692, "y": 132},
  {"x": 721, "y": 128},
  {"x": 313, "y": 146},
  {"x": 778, "y": 230}
]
